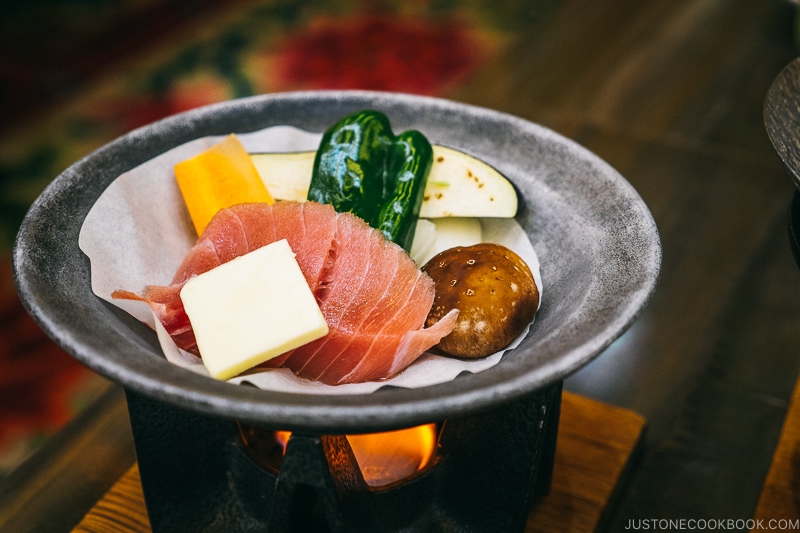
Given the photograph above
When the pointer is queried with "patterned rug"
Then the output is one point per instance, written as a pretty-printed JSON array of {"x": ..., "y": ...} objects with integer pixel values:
[{"x": 76, "y": 74}]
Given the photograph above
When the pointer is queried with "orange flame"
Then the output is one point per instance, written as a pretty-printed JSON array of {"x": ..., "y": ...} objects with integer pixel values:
[{"x": 388, "y": 456}]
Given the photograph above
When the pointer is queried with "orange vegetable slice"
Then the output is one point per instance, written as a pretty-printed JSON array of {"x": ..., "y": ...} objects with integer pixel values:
[{"x": 222, "y": 176}]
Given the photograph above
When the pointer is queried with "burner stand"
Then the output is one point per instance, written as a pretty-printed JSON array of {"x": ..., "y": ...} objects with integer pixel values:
[{"x": 197, "y": 474}]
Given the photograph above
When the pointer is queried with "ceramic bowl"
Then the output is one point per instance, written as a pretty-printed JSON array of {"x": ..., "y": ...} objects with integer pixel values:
[
  {"x": 597, "y": 243},
  {"x": 782, "y": 118}
]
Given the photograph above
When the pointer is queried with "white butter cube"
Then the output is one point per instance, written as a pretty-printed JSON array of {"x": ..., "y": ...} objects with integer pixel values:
[{"x": 251, "y": 309}]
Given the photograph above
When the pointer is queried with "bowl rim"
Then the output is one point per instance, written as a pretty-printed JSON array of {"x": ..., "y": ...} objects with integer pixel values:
[
  {"x": 782, "y": 117},
  {"x": 46, "y": 298}
]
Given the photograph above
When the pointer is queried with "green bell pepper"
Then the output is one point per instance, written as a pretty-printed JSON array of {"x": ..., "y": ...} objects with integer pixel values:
[{"x": 361, "y": 167}]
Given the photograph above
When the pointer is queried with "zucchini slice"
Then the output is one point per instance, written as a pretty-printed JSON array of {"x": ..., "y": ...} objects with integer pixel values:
[{"x": 459, "y": 185}]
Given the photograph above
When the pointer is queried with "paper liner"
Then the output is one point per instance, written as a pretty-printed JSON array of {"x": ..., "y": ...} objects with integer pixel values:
[{"x": 139, "y": 230}]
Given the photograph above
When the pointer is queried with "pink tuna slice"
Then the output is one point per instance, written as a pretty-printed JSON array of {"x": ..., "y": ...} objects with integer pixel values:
[{"x": 371, "y": 293}]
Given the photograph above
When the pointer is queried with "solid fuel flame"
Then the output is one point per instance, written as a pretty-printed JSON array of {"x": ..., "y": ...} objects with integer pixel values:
[{"x": 388, "y": 456}]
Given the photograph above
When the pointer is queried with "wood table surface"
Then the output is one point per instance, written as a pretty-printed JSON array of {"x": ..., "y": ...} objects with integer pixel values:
[
  {"x": 780, "y": 498},
  {"x": 670, "y": 93}
]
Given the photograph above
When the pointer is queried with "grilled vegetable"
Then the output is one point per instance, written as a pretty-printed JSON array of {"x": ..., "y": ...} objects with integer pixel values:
[
  {"x": 219, "y": 177},
  {"x": 409, "y": 164},
  {"x": 463, "y": 186},
  {"x": 362, "y": 168},
  {"x": 459, "y": 185},
  {"x": 494, "y": 291}
]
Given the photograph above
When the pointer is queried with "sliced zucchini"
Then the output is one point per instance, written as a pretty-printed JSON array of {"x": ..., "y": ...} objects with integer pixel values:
[
  {"x": 424, "y": 241},
  {"x": 286, "y": 175},
  {"x": 440, "y": 234},
  {"x": 459, "y": 185}
]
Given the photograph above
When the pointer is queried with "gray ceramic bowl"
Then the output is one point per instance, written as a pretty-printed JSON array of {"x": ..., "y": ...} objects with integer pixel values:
[
  {"x": 782, "y": 117},
  {"x": 598, "y": 246}
]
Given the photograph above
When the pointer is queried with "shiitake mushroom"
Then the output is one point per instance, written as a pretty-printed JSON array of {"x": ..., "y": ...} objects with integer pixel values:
[{"x": 494, "y": 291}]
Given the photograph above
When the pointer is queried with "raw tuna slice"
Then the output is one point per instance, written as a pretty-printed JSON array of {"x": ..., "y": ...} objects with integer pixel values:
[
  {"x": 234, "y": 232},
  {"x": 371, "y": 293}
]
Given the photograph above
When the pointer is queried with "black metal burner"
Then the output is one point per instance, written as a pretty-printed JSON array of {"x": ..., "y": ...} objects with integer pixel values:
[
  {"x": 197, "y": 475},
  {"x": 794, "y": 227}
]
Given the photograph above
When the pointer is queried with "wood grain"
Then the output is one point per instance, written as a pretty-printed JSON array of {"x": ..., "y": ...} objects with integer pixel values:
[
  {"x": 596, "y": 442},
  {"x": 780, "y": 497}
]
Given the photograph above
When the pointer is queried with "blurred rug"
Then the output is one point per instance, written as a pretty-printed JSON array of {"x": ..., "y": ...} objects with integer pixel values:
[{"x": 76, "y": 74}]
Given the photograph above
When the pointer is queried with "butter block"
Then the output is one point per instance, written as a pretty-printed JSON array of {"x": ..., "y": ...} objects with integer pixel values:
[{"x": 251, "y": 309}]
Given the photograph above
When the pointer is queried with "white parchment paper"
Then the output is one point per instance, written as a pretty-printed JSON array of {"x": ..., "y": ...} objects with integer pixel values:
[{"x": 138, "y": 231}]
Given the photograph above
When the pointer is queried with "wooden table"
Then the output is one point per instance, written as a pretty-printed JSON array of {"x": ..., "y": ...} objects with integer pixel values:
[
  {"x": 780, "y": 497},
  {"x": 670, "y": 93}
]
